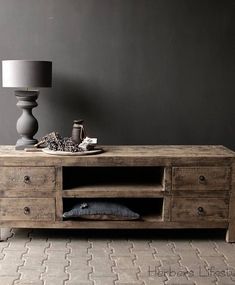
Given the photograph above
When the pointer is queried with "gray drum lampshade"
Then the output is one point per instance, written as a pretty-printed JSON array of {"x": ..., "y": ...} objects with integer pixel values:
[{"x": 26, "y": 73}]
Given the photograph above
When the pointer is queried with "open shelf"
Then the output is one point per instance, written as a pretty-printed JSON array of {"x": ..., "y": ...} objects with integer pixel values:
[
  {"x": 149, "y": 209},
  {"x": 113, "y": 182}
]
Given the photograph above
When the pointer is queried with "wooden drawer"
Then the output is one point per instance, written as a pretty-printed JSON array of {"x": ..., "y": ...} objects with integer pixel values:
[
  {"x": 30, "y": 209},
  {"x": 193, "y": 209},
  {"x": 201, "y": 178},
  {"x": 23, "y": 178}
]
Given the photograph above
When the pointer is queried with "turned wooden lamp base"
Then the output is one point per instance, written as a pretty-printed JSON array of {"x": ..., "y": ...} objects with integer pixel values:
[{"x": 27, "y": 124}]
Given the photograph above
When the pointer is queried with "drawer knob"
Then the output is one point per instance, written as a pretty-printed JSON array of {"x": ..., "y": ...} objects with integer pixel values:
[
  {"x": 200, "y": 211},
  {"x": 26, "y": 210},
  {"x": 27, "y": 179},
  {"x": 202, "y": 178}
]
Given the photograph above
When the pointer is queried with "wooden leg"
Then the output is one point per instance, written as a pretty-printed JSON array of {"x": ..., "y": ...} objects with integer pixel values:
[
  {"x": 4, "y": 234},
  {"x": 230, "y": 235}
]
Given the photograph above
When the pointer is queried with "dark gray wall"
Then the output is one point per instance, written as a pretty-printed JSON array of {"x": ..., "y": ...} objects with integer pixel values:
[{"x": 137, "y": 71}]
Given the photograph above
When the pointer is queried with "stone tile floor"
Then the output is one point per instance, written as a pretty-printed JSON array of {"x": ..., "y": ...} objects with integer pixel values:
[{"x": 69, "y": 257}]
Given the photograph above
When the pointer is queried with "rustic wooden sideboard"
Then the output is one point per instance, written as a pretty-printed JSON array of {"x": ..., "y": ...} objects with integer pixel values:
[{"x": 169, "y": 186}]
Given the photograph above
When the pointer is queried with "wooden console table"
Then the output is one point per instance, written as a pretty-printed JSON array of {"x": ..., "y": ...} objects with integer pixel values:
[{"x": 169, "y": 186}]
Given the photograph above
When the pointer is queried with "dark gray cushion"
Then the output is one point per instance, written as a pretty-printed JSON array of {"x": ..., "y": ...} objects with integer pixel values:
[{"x": 101, "y": 210}]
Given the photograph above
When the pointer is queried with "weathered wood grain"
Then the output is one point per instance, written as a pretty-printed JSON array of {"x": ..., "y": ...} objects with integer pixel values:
[
  {"x": 166, "y": 181},
  {"x": 42, "y": 193},
  {"x": 166, "y": 209},
  {"x": 196, "y": 209},
  {"x": 59, "y": 195},
  {"x": 230, "y": 235},
  {"x": 144, "y": 224},
  {"x": 201, "y": 194},
  {"x": 175, "y": 195},
  {"x": 23, "y": 178},
  {"x": 124, "y": 156},
  {"x": 115, "y": 191},
  {"x": 201, "y": 178},
  {"x": 25, "y": 209}
]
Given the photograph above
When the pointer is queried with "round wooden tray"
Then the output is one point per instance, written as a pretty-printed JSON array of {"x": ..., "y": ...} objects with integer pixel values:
[{"x": 88, "y": 152}]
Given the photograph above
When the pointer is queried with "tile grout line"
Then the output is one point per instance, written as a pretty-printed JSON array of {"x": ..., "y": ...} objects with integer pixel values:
[
  {"x": 224, "y": 259},
  {"x": 44, "y": 260},
  {"x": 7, "y": 245},
  {"x": 204, "y": 260},
  {"x": 134, "y": 264},
  {"x": 22, "y": 255},
  {"x": 187, "y": 268},
  {"x": 160, "y": 261},
  {"x": 69, "y": 261},
  {"x": 113, "y": 261},
  {"x": 89, "y": 261}
]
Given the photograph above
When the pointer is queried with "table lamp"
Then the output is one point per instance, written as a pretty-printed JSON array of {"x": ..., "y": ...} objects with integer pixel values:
[{"x": 26, "y": 74}]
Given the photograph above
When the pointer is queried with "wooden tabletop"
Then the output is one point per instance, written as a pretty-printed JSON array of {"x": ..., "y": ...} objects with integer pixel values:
[
  {"x": 123, "y": 155},
  {"x": 137, "y": 151}
]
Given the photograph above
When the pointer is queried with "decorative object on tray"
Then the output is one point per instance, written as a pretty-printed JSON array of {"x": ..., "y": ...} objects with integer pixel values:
[
  {"x": 101, "y": 210},
  {"x": 78, "y": 131},
  {"x": 54, "y": 143}
]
